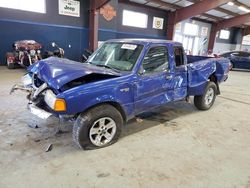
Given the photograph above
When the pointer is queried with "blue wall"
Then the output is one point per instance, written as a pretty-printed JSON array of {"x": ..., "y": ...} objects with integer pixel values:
[
  {"x": 45, "y": 28},
  {"x": 12, "y": 30},
  {"x": 114, "y": 28},
  {"x": 67, "y": 30},
  {"x": 106, "y": 34}
]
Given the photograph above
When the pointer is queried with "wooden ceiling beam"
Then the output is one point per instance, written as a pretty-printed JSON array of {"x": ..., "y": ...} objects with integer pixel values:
[{"x": 176, "y": 7}]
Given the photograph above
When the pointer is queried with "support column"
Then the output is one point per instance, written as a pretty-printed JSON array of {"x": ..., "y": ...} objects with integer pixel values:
[
  {"x": 93, "y": 26},
  {"x": 246, "y": 31},
  {"x": 170, "y": 26},
  {"x": 212, "y": 37}
]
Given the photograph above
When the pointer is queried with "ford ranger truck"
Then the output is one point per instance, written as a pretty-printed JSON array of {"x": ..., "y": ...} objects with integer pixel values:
[{"x": 120, "y": 80}]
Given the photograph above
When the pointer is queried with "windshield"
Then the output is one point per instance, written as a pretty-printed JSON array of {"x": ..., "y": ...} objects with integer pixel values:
[{"x": 118, "y": 56}]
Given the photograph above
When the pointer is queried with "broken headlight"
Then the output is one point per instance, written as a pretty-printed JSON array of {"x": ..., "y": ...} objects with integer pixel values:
[
  {"x": 32, "y": 52},
  {"x": 53, "y": 102},
  {"x": 26, "y": 80}
]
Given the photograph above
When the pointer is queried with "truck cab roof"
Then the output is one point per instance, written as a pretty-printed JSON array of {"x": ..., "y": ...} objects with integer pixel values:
[{"x": 145, "y": 41}]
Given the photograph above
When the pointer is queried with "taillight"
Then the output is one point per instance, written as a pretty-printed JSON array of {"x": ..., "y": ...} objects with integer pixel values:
[{"x": 11, "y": 59}]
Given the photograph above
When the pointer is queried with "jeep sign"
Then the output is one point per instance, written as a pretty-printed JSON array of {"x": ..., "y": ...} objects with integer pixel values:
[{"x": 69, "y": 8}]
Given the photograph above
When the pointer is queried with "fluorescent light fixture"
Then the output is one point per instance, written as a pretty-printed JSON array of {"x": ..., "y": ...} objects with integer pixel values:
[
  {"x": 230, "y": 3},
  {"x": 243, "y": 9}
]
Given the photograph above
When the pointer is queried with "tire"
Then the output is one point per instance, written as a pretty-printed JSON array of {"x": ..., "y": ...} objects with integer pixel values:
[
  {"x": 96, "y": 123},
  {"x": 206, "y": 101}
]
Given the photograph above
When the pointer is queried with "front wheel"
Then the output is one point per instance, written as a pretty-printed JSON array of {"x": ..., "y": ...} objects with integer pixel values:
[
  {"x": 206, "y": 101},
  {"x": 98, "y": 127}
]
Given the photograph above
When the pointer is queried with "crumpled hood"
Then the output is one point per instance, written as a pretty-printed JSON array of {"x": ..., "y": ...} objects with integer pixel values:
[{"x": 56, "y": 72}]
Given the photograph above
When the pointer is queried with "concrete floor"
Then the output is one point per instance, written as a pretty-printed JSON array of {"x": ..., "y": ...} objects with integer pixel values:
[{"x": 176, "y": 146}]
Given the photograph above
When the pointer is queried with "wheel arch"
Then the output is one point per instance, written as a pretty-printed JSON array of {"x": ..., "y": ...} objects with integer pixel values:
[
  {"x": 213, "y": 78},
  {"x": 116, "y": 105}
]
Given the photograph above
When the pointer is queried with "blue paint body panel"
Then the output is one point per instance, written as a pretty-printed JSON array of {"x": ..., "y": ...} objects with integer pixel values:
[
  {"x": 134, "y": 93},
  {"x": 58, "y": 71},
  {"x": 200, "y": 71}
]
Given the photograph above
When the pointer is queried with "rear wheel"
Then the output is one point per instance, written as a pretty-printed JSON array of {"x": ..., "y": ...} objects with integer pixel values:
[
  {"x": 98, "y": 127},
  {"x": 206, "y": 101}
]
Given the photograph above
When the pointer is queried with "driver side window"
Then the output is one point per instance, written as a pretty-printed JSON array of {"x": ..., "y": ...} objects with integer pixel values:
[{"x": 156, "y": 60}]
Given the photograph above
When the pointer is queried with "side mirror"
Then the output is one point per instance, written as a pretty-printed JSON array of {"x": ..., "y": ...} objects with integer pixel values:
[
  {"x": 53, "y": 44},
  {"x": 141, "y": 71}
]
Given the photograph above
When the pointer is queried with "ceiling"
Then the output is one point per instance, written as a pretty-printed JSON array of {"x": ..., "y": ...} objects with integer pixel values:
[{"x": 223, "y": 12}]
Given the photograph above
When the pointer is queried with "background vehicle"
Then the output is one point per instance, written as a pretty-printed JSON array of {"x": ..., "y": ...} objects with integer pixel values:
[
  {"x": 25, "y": 53},
  {"x": 58, "y": 52},
  {"x": 238, "y": 59},
  {"x": 121, "y": 79}
]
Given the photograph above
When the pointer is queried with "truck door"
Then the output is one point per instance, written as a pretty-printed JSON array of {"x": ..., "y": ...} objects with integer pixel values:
[
  {"x": 154, "y": 87},
  {"x": 180, "y": 73}
]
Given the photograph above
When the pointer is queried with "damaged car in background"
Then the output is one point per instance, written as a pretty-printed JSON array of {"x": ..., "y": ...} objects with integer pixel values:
[{"x": 120, "y": 80}]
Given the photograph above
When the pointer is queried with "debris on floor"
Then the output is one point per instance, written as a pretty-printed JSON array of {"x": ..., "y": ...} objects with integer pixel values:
[
  {"x": 61, "y": 132},
  {"x": 37, "y": 140},
  {"x": 103, "y": 175},
  {"x": 49, "y": 148},
  {"x": 33, "y": 126},
  {"x": 139, "y": 120},
  {"x": 233, "y": 129}
]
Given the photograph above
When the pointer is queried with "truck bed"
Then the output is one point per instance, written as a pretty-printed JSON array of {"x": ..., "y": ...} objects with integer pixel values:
[
  {"x": 193, "y": 58},
  {"x": 201, "y": 68}
]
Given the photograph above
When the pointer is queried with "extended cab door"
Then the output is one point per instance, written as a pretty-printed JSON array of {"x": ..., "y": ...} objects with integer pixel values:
[
  {"x": 180, "y": 73},
  {"x": 154, "y": 85}
]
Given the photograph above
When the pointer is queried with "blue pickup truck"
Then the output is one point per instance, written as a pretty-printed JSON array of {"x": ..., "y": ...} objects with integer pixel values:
[{"x": 120, "y": 80}]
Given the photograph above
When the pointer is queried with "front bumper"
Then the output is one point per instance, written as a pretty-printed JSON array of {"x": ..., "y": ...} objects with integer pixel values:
[
  {"x": 38, "y": 103},
  {"x": 38, "y": 111}
]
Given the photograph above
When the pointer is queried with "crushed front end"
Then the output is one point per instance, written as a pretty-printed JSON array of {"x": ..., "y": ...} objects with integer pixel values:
[{"x": 43, "y": 101}]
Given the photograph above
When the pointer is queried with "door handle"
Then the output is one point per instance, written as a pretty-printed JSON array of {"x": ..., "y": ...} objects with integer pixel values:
[{"x": 169, "y": 77}]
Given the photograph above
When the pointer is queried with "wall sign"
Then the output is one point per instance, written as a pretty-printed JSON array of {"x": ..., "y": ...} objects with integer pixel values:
[
  {"x": 69, "y": 8},
  {"x": 158, "y": 23},
  {"x": 108, "y": 12},
  {"x": 204, "y": 31}
]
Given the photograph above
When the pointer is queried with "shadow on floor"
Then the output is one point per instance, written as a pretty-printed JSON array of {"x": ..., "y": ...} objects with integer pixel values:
[
  {"x": 241, "y": 70},
  {"x": 163, "y": 115}
]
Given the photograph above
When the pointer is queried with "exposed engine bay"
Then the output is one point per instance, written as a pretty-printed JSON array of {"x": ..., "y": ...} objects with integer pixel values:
[
  {"x": 86, "y": 79},
  {"x": 41, "y": 96}
]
